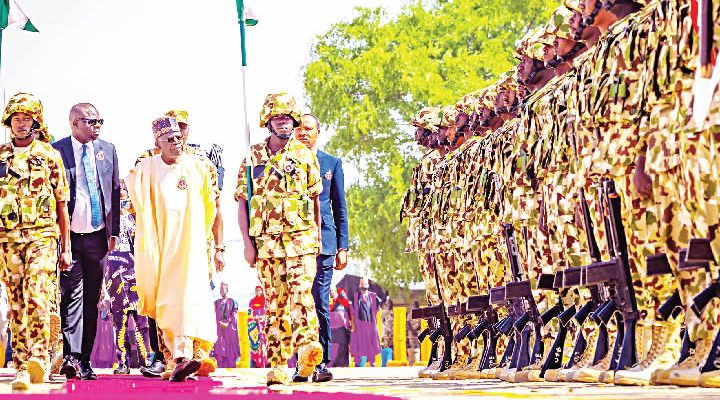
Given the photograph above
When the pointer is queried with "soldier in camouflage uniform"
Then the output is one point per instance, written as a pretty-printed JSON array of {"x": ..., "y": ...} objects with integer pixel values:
[
  {"x": 281, "y": 236},
  {"x": 458, "y": 277},
  {"x": 417, "y": 197},
  {"x": 34, "y": 229}
]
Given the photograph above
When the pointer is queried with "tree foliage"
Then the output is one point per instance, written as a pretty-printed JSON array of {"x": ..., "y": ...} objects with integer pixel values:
[{"x": 370, "y": 75}]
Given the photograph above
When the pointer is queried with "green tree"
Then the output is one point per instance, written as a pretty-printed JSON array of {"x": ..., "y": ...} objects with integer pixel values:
[{"x": 370, "y": 75}]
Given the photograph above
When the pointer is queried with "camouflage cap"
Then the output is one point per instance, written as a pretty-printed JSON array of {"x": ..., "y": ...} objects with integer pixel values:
[
  {"x": 447, "y": 116},
  {"x": 165, "y": 125},
  {"x": 30, "y": 105},
  {"x": 559, "y": 24},
  {"x": 181, "y": 116},
  {"x": 279, "y": 104},
  {"x": 428, "y": 118}
]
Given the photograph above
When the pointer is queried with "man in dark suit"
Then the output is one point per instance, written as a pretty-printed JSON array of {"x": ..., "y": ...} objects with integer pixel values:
[
  {"x": 333, "y": 211},
  {"x": 91, "y": 167}
]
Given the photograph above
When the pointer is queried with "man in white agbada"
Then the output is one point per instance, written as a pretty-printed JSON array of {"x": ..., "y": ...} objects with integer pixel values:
[{"x": 175, "y": 199}]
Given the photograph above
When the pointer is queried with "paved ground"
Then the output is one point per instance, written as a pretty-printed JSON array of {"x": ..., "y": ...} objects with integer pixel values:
[{"x": 350, "y": 383}]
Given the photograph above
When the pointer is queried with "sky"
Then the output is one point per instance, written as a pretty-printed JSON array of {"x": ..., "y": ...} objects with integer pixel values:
[{"x": 136, "y": 59}]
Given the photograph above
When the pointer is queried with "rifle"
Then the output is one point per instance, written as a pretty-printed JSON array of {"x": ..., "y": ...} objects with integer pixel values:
[
  {"x": 523, "y": 307},
  {"x": 439, "y": 314},
  {"x": 705, "y": 22},
  {"x": 614, "y": 278}
]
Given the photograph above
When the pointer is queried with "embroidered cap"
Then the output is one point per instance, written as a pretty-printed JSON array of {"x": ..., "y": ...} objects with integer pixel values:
[{"x": 165, "y": 125}]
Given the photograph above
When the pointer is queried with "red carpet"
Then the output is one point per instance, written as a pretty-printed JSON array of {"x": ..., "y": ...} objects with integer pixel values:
[{"x": 134, "y": 387}]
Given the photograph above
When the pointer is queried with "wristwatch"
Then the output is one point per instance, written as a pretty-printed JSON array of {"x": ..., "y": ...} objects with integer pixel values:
[{"x": 220, "y": 247}]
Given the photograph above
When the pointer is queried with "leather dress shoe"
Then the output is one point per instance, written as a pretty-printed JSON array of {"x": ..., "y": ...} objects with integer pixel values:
[
  {"x": 122, "y": 369},
  {"x": 86, "y": 371},
  {"x": 183, "y": 369},
  {"x": 70, "y": 367},
  {"x": 297, "y": 378},
  {"x": 155, "y": 369},
  {"x": 322, "y": 374}
]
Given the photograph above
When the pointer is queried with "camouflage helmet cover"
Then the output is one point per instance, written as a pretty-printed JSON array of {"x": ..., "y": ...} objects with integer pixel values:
[
  {"x": 279, "y": 104},
  {"x": 447, "y": 116},
  {"x": 532, "y": 44},
  {"x": 469, "y": 103},
  {"x": 428, "y": 118},
  {"x": 181, "y": 116},
  {"x": 573, "y": 5},
  {"x": 30, "y": 105},
  {"x": 559, "y": 24}
]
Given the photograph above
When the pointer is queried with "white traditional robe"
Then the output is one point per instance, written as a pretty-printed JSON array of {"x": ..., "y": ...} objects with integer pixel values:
[{"x": 175, "y": 211}]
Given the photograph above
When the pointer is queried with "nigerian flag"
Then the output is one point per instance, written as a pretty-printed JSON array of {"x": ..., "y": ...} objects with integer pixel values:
[{"x": 11, "y": 15}]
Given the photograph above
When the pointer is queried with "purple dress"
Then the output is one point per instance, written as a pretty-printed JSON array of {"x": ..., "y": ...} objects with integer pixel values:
[
  {"x": 365, "y": 340},
  {"x": 227, "y": 347},
  {"x": 103, "y": 355}
]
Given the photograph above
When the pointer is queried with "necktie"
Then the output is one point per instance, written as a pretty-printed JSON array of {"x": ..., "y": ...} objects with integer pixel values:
[{"x": 92, "y": 188}]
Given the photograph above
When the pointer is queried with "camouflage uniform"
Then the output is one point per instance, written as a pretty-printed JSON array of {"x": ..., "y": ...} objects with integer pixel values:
[
  {"x": 32, "y": 183},
  {"x": 282, "y": 221},
  {"x": 415, "y": 200}
]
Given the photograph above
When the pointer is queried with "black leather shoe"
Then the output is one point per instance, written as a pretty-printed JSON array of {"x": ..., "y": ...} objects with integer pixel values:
[
  {"x": 155, "y": 369},
  {"x": 297, "y": 378},
  {"x": 183, "y": 369},
  {"x": 122, "y": 369},
  {"x": 86, "y": 371},
  {"x": 70, "y": 367},
  {"x": 322, "y": 374}
]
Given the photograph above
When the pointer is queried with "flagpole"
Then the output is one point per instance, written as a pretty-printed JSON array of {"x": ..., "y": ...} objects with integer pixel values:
[{"x": 248, "y": 167}]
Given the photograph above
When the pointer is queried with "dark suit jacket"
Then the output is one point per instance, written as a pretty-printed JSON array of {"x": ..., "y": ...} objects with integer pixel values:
[
  {"x": 107, "y": 170},
  {"x": 332, "y": 204}
]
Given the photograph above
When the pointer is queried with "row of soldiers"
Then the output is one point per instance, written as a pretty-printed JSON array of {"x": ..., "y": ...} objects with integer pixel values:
[{"x": 520, "y": 183}]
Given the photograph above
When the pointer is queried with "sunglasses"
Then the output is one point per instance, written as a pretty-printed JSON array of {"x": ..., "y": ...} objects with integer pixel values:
[
  {"x": 92, "y": 121},
  {"x": 172, "y": 139}
]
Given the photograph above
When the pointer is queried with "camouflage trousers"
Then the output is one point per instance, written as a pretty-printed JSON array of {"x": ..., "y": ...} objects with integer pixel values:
[
  {"x": 698, "y": 209},
  {"x": 426, "y": 261},
  {"x": 30, "y": 275},
  {"x": 635, "y": 219},
  {"x": 457, "y": 282},
  {"x": 291, "y": 316}
]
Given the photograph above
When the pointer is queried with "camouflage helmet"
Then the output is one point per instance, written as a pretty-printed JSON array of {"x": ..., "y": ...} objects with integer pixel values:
[
  {"x": 447, "y": 116},
  {"x": 532, "y": 44},
  {"x": 279, "y": 104},
  {"x": 181, "y": 116},
  {"x": 573, "y": 5},
  {"x": 469, "y": 103},
  {"x": 428, "y": 118},
  {"x": 559, "y": 24},
  {"x": 30, "y": 105},
  {"x": 506, "y": 82}
]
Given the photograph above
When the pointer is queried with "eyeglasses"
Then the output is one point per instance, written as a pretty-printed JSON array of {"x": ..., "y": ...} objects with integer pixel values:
[
  {"x": 92, "y": 121},
  {"x": 172, "y": 139}
]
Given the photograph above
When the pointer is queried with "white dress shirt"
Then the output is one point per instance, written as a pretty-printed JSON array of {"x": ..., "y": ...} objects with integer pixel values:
[{"x": 81, "y": 219}]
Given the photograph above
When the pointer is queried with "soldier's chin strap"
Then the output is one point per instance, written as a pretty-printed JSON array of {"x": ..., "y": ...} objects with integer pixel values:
[
  {"x": 572, "y": 53},
  {"x": 31, "y": 132},
  {"x": 590, "y": 19},
  {"x": 281, "y": 136},
  {"x": 533, "y": 72}
]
